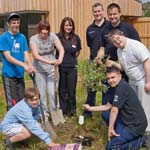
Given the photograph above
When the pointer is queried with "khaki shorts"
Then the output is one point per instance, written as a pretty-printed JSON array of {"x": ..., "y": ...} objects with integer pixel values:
[{"x": 16, "y": 128}]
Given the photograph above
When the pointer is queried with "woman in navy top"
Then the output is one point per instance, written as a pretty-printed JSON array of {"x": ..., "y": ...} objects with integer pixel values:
[{"x": 67, "y": 70}]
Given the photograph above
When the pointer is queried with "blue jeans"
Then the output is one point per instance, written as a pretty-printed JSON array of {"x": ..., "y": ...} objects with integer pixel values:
[{"x": 128, "y": 140}]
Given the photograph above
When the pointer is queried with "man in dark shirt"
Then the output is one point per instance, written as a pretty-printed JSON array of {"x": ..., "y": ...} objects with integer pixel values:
[
  {"x": 127, "y": 120},
  {"x": 93, "y": 37},
  {"x": 108, "y": 49}
]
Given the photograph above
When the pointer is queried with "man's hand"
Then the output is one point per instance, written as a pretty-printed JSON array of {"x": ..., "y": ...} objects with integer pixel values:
[
  {"x": 112, "y": 133},
  {"x": 52, "y": 144},
  {"x": 109, "y": 63},
  {"x": 97, "y": 60},
  {"x": 29, "y": 68},
  {"x": 86, "y": 107}
]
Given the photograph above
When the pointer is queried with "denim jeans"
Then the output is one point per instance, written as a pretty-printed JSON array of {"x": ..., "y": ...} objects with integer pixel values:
[{"x": 128, "y": 140}]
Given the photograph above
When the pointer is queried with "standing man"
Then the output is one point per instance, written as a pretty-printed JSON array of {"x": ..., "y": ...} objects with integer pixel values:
[
  {"x": 127, "y": 121},
  {"x": 108, "y": 49},
  {"x": 134, "y": 59},
  {"x": 15, "y": 59},
  {"x": 114, "y": 16},
  {"x": 93, "y": 37}
]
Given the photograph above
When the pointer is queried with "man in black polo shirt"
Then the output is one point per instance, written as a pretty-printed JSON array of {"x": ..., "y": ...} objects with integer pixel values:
[
  {"x": 114, "y": 16},
  {"x": 93, "y": 37},
  {"x": 127, "y": 120}
]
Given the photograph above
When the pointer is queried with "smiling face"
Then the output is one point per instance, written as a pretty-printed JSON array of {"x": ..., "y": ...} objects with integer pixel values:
[
  {"x": 98, "y": 13},
  {"x": 13, "y": 25},
  {"x": 118, "y": 41},
  {"x": 68, "y": 27},
  {"x": 114, "y": 16},
  {"x": 33, "y": 102},
  {"x": 113, "y": 78}
]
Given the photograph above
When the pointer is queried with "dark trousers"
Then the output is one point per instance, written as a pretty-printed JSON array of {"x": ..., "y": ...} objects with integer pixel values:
[
  {"x": 67, "y": 90},
  {"x": 91, "y": 96},
  {"x": 108, "y": 95},
  {"x": 14, "y": 89},
  {"x": 128, "y": 140}
]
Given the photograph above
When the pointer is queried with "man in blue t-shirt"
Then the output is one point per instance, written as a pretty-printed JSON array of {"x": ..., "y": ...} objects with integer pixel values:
[
  {"x": 123, "y": 114},
  {"x": 15, "y": 59}
]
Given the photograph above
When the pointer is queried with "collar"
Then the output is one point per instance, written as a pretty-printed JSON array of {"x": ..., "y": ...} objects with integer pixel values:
[{"x": 94, "y": 25}]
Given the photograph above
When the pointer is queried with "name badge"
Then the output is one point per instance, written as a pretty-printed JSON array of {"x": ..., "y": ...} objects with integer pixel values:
[{"x": 74, "y": 46}]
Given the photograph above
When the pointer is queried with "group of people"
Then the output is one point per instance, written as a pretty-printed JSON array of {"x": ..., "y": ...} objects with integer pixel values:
[
  {"x": 125, "y": 108},
  {"x": 50, "y": 51},
  {"x": 121, "y": 109}
]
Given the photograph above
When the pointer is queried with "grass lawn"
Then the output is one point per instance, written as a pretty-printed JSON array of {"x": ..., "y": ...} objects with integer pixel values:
[{"x": 93, "y": 127}]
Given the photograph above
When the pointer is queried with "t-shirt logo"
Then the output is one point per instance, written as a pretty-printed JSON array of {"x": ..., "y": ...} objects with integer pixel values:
[
  {"x": 115, "y": 98},
  {"x": 16, "y": 47}
]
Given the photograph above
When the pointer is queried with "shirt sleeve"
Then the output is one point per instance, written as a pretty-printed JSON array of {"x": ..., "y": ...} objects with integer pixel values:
[
  {"x": 26, "y": 118},
  {"x": 4, "y": 44}
]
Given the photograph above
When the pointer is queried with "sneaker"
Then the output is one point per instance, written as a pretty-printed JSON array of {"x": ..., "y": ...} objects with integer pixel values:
[{"x": 9, "y": 145}]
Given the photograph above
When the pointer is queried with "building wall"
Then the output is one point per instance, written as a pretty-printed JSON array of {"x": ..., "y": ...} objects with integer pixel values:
[{"x": 79, "y": 10}]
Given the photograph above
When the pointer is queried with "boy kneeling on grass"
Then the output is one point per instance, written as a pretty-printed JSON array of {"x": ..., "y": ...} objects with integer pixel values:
[
  {"x": 20, "y": 122},
  {"x": 123, "y": 114}
]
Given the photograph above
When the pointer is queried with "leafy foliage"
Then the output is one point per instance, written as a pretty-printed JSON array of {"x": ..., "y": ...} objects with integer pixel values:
[{"x": 92, "y": 74}]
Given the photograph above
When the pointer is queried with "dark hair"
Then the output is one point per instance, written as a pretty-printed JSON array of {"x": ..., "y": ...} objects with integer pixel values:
[
  {"x": 31, "y": 93},
  {"x": 96, "y": 5},
  {"x": 113, "y": 69},
  {"x": 43, "y": 24},
  {"x": 61, "y": 34},
  {"x": 114, "y": 5},
  {"x": 114, "y": 32}
]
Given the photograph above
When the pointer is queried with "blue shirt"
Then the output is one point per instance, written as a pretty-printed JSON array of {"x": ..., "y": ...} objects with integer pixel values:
[
  {"x": 24, "y": 114},
  {"x": 16, "y": 45}
]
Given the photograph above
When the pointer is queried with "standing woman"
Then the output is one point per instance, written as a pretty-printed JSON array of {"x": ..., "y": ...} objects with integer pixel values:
[
  {"x": 67, "y": 69},
  {"x": 43, "y": 47}
]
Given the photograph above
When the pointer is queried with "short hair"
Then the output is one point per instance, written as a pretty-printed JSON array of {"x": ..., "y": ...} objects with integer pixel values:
[
  {"x": 30, "y": 93},
  {"x": 62, "y": 31},
  {"x": 114, "y": 5},
  {"x": 112, "y": 69},
  {"x": 43, "y": 24},
  {"x": 114, "y": 32},
  {"x": 96, "y": 5}
]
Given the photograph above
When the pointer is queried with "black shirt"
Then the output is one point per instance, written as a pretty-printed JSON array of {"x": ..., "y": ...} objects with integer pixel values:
[
  {"x": 71, "y": 46},
  {"x": 127, "y": 29},
  {"x": 94, "y": 37},
  {"x": 130, "y": 109}
]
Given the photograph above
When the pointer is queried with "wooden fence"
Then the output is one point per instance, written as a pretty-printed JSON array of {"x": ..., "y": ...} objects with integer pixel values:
[
  {"x": 143, "y": 27},
  {"x": 79, "y": 10}
]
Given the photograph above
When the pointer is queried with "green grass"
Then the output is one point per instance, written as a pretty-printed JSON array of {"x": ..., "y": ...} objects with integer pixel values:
[{"x": 92, "y": 127}]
